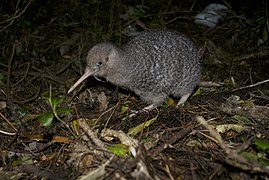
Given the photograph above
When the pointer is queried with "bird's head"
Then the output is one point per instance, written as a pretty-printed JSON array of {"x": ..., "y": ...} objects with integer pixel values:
[{"x": 101, "y": 59}]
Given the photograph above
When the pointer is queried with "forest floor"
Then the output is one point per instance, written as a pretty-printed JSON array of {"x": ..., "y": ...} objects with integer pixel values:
[{"x": 221, "y": 132}]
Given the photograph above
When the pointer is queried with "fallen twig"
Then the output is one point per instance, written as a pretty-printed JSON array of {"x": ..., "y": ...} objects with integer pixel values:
[
  {"x": 252, "y": 85},
  {"x": 232, "y": 157}
]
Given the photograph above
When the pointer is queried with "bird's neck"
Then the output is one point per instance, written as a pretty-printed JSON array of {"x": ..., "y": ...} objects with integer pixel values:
[{"x": 118, "y": 72}]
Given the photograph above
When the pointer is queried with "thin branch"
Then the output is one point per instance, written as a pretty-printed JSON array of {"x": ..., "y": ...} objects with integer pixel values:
[
  {"x": 24, "y": 76},
  {"x": 252, "y": 85},
  {"x": 9, "y": 123},
  {"x": 17, "y": 15}
]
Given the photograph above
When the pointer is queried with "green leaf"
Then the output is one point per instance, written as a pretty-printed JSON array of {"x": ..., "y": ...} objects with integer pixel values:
[
  {"x": 262, "y": 145},
  {"x": 262, "y": 160},
  {"x": 22, "y": 160},
  {"x": 63, "y": 110},
  {"x": 196, "y": 93},
  {"x": 125, "y": 106},
  {"x": 248, "y": 155},
  {"x": 170, "y": 102},
  {"x": 226, "y": 127},
  {"x": 55, "y": 101},
  {"x": 135, "y": 130},
  {"x": 27, "y": 160},
  {"x": 119, "y": 149},
  {"x": 260, "y": 157},
  {"x": 242, "y": 119},
  {"x": 46, "y": 118}
]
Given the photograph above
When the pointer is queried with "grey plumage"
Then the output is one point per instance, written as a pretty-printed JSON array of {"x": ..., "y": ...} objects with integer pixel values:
[{"x": 154, "y": 64}]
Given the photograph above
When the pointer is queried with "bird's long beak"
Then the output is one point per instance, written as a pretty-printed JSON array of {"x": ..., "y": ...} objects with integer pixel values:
[{"x": 81, "y": 79}]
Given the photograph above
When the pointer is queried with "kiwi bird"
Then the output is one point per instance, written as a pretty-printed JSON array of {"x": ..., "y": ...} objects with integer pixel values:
[{"x": 154, "y": 64}]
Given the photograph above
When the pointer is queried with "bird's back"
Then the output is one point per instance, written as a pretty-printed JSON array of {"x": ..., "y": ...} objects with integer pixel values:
[{"x": 162, "y": 62}]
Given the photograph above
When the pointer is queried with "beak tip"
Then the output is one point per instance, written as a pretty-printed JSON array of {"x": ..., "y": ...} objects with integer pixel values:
[
  {"x": 82, "y": 78},
  {"x": 70, "y": 90}
]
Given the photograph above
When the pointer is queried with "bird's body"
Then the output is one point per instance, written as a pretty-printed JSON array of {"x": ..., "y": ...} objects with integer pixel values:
[{"x": 154, "y": 64}]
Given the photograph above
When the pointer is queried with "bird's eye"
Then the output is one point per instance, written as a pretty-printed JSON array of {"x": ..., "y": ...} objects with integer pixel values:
[{"x": 99, "y": 63}]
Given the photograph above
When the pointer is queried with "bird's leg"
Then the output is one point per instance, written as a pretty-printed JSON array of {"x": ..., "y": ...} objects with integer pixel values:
[
  {"x": 183, "y": 99},
  {"x": 145, "y": 109},
  {"x": 148, "y": 108},
  {"x": 154, "y": 99}
]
